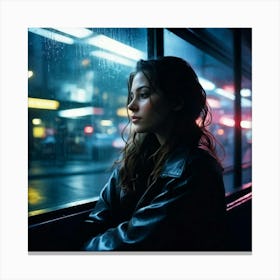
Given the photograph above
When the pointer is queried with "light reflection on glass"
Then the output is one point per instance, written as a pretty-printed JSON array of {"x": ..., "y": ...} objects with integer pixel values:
[{"x": 34, "y": 196}]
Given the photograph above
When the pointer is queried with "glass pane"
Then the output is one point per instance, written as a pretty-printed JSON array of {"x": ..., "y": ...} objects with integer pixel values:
[
  {"x": 246, "y": 105},
  {"x": 77, "y": 91},
  {"x": 218, "y": 81}
]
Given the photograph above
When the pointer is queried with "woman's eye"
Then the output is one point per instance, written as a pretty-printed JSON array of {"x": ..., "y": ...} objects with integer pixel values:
[{"x": 144, "y": 94}]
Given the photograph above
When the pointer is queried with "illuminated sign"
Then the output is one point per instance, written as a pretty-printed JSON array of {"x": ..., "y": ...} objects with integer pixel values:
[{"x": 38, "y": 103}]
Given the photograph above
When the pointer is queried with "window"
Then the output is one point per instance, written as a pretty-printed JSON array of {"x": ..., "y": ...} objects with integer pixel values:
[
  {"x": 216, "y": 74},
  {"x": 76, "y": 109},
  {"x": 77, "y": 91}
]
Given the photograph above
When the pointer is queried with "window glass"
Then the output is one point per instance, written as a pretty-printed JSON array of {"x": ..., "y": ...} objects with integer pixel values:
[
  {"x": 246, "y": 123},
  {"x": 77, "y": 89},
  {"x": 246, "y": 101},
  {"x": 218, "y": 81},
  {"x": 223, "y": 37},
  {"x": 246, "y": 104}
]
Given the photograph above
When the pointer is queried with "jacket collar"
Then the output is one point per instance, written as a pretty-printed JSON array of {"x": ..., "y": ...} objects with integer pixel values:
[{"x": 175, "y": 163}]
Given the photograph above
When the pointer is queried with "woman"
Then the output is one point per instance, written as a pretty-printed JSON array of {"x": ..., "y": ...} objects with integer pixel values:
[{"x": 167, "y": 191}]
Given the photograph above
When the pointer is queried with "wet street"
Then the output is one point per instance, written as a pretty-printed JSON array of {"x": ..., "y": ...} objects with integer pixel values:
[
  {"x": 55, "y": 192},
  {"x": 53, "y": 186}
]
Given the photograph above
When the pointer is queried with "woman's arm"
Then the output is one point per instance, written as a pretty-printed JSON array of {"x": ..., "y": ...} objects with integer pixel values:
[
  {"x": 104, "y": 214},
  {"x": 181, "y": 213},
  {"x": 135, "y": 233}
]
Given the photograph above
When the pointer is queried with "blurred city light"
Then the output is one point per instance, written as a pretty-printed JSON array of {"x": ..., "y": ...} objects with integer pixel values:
[
  {"x": 76, "y": 112},
  {"x": 34, "y": 196},
  {"x": 30, "y": 74},
  {"x": 245, "y": 92},
  {"x": 117, "y": 47},
  {"x": 80, "y": 112},
  {"x": 88, "y": 129},
  {"x": 225, "y": 93},
  {"x": 122, "y": 112},
  {"x": 213, "y": 103},
  {"x": 38, "y": 103},
  {"x": 51, "y": 35},
  {"x": 39, "y": 132},
  {"x": 207, "y": 85},
  {"x": 220, "y": 131},
  {"x": 228, "y": 121},
  {"x": 76, "y": 32},
  {"x": 246, "y": 102},
  {"x": 246, "y": 124},
  {"x": 36, "y": 121},
  {"x": 106, "y": 122}
]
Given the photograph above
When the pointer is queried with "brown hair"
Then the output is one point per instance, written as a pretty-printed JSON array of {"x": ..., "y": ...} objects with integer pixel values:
[{"x": 143, "y": 156}]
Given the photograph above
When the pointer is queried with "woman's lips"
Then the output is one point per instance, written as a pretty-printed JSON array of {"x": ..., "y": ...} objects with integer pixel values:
[{"x": 135, "y": 119}]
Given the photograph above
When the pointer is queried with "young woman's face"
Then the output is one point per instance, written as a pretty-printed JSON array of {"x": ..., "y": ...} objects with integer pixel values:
[{"x": 148, "y": 110}]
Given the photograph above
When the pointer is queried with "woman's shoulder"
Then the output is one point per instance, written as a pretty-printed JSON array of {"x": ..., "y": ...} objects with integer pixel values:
[
  {"x": 184, "y": 159},
  {"x": 190, "y": 155},
  {"x": 200, "y": 158}
]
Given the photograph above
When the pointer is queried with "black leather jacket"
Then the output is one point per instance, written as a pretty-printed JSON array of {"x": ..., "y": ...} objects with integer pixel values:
[{"x": 182, "y": 211}]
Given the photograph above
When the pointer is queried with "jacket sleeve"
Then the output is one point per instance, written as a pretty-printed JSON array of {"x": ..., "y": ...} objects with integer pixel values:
[
  {"x": 134, "y": 233},
  {"x": 105, "y": 211},
  {"x": 154, "y": 225}
]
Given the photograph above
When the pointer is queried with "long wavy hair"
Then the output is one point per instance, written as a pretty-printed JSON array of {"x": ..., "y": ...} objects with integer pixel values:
[{"x": 143, "y": 157}]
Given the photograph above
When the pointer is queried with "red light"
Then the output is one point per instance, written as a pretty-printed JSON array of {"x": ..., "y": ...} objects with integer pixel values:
[
  {"x": 88, "y": 129},
  {"x": 98, "y": 111},
  {"x": 229, "y": 88}
]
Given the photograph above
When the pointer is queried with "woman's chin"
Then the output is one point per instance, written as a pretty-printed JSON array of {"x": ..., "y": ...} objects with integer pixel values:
[{"x": 139, "y": 129}]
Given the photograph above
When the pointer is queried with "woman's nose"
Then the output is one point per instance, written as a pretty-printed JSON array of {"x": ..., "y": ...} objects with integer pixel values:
[{"x": 132, "y": 106}]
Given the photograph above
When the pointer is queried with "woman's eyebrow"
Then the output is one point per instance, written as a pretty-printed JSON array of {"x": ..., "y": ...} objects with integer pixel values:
[{"x": 141, "y": 87}]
